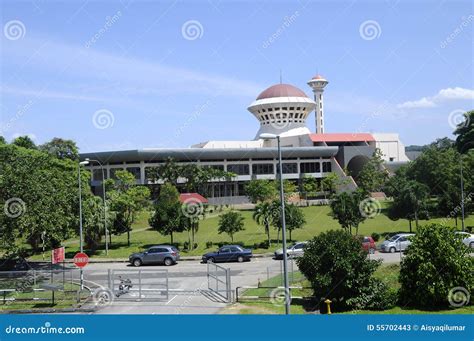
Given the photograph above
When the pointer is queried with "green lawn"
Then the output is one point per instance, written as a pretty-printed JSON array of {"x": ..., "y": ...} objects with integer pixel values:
[{"x": 317, "y": 217}]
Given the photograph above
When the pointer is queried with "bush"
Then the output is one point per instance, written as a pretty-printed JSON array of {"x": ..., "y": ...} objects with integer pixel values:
[
  {"x": 436, "y": 262},
  {"x": 209, "y": 245},
  {"x": 375, "y": 236},
  {"x": 262, "y": 245},
  {"x": 338, "y": 269}
]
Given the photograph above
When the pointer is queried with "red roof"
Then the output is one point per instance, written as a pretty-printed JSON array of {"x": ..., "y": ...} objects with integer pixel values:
[
  {"x": 347, "y": 137},
  {"x": 282, "y": 90},
  {"x": 192, "y": 198}
]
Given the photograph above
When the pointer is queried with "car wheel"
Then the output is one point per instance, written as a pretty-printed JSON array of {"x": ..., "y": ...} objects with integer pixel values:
[
  {"x": 211, "y": 260},
  {"x": 371, "y": 251},
  {"x": 137, "y": 262},
  {"x": 240, "y": 259},
  {"x": 392, "y": 250},
  {"x": 168, "y": 261}
]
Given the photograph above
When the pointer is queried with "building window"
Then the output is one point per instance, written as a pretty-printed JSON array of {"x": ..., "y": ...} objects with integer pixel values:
[
  {"x": 239, "y": 169},
  {"x": 219, "y": 167},
  {"x": 288, "y": 168},
  {"x": 326, "y": 167},
  {"x": 113, "y": 171},
  {"x": 262, "y": 168},
  {"x": 97, "y": 174},
  {"x": 135, "y": 171},
  {"x": 310, "y": 167}
]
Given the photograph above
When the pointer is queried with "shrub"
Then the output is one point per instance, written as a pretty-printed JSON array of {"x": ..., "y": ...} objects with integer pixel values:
[
  {"x": 375, "y": 236},
  {"x": 209, "y": 245},
  {"x": 338, "y": 269},
  {"x": 436, "y": 262}
]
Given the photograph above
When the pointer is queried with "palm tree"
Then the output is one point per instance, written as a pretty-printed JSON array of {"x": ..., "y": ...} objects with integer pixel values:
[{"x": 264, "y": 214}]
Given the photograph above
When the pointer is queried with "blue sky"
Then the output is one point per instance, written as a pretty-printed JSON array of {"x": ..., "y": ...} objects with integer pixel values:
[{"x": 142, "y": 74}]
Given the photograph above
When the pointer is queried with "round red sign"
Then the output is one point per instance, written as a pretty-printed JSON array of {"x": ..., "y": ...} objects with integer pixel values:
[{"x": 81, "y": 259}]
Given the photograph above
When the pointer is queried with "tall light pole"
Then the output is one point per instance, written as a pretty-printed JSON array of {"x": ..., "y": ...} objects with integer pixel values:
[
  {"x": 105, "y": 208},
  {"x": 462, "y": 183},
  {"x": 83, "y": 163},
  {"x": 283, "y": 223}
]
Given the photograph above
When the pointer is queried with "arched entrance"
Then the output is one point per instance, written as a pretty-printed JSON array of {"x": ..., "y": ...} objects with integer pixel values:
[{"x": 356, "y": 164}]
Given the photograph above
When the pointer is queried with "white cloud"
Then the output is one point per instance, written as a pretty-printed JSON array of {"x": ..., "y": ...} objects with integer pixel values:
[
  {"x": 46, "y": 94},
  {"x": 448, "y": 94},
  {"x": 122, "y": 75},
  {"x": 421, "y": 103}
]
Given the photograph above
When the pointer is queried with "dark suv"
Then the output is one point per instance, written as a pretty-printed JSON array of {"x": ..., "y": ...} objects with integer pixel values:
[{"x": 159, "y": 254}]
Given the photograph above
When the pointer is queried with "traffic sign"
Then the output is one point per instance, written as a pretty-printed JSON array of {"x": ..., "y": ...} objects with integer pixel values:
[
  {"x": 57, "y": 255},
  {"x": 81, "y": 259}
]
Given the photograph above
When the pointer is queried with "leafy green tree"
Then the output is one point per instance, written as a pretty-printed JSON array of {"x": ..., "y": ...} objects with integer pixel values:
[
  {"x": 231, "y": 222},
  {"x": 61, "y": 148},
  {"x": 294, "y": 218},
  {"x": 338, "y": 269},
  {"x": 410, "y": 202},
  {"x": 2, "y": 140},
  {"x": 329, "y": 183},
  {"x": 346, "y": 209},
  {"x": 373, "y": 175},
  {"x": 126, "y": 200},
  {"x": 436, "y": 263},
  {"x": 265, "y": 214},
  {"x": 465, "y": 133},
  {"x": 168, "y": 217},
  {"x": 38, "y": 195},
  {"x": 25, "y": 142},
  {"x": 260, "y": 190},
  {"x": 93, "y": 221},
  {"x": 309, "y": 185}
]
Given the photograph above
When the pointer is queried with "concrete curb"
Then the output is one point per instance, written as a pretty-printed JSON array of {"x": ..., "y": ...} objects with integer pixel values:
[{"x": 125, "y": 260}]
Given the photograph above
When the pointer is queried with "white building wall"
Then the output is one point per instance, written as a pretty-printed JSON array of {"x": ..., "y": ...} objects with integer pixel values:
[{"x": 391, "y": 147}]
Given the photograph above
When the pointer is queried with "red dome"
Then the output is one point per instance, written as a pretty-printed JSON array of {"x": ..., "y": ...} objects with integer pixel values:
[
  {"x": 282, "y": 90},
  {"x": 318, "y": 77}
]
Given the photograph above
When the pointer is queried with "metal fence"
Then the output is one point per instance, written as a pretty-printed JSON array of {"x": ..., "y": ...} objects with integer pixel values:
[
  {"x": 40, "y": 287},
  {"x": 274, "y": 273},
  {"x": 139, "y": 285},
  {"x": 218, "y": 281}
]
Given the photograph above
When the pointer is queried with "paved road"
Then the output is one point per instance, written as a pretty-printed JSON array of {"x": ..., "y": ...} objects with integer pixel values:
[{"x": 188, "y": 284}]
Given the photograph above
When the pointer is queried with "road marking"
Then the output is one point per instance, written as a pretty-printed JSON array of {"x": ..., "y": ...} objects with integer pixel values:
[{"x": 171, "y": 299}]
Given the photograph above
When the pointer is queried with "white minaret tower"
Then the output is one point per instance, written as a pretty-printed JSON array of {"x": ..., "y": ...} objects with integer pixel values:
[{"x": 318, "y": 83}]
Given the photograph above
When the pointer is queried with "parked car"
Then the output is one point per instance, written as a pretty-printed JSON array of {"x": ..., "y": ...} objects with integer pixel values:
[
  {"x": 396, "y": 243},
  {"x": 467, "y": 238},
  {"x": 368, "y": 244},
  {"x": 159, "y": 254},
  {"x": 295, "y": 250},
  {"x": 228, "y": 253}
]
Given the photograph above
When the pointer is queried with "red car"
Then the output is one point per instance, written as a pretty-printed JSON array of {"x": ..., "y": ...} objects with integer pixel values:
[{"x": 368, "y": 244}]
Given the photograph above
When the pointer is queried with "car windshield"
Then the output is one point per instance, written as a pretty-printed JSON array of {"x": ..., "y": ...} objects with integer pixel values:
[{"x": 394, "y": 238}]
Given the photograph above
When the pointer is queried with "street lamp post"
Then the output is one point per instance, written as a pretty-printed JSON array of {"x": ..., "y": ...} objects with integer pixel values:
[
  {"x": 105, "y": 208},
  {"x": 462, "y": 183},
  {"x": 283, "y": 222},
  {"x": 83, "y": 163}
]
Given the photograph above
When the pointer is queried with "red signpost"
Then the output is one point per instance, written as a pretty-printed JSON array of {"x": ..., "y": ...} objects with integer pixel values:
[
  {"x": 57, "y": 255},
  {"x": 81, "y": 259}
]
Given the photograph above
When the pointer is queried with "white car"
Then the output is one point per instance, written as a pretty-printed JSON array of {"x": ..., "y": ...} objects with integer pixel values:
[
  {"x": 467, "y": 238},
  {"x": 398, "y": 242},
  {"x": 293, "y": 251}
]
